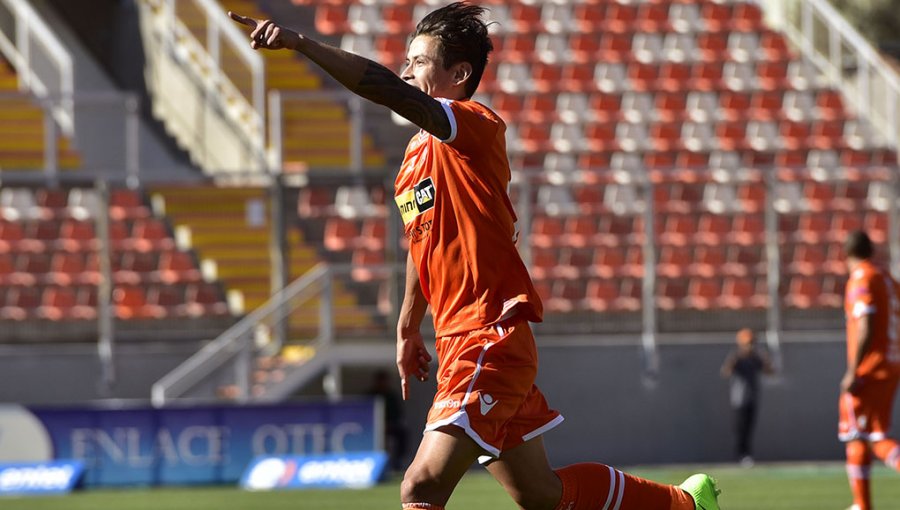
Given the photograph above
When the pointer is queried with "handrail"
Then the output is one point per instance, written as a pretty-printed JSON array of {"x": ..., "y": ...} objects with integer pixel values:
[
  {"x": 879, "y": 106},
  {"x": 236, "y": 338},
  {"x": 238, "y": 40},
  {"x": 211, "y": 63},
  {"x": 20, "y": 51}
]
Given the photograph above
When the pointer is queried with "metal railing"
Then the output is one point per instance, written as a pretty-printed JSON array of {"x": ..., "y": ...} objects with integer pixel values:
[
  {"x": 124, "y": 154},
  {"x": 845, "y": 58},
  {"x": 43, "y": 64},
  {"x": 228, "y": 73},
  {"x": 266, "y": 331}
]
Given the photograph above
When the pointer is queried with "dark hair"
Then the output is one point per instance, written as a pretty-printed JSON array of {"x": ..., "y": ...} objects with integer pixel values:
[
  {"x": 858, "y": 245},
  {"x": 463, "y": 37}
]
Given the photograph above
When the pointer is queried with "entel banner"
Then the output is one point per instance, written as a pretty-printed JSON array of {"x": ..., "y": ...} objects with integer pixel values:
[
  {"x": 336, "y": 471},
  {"x": 39, "y": 477},
  {"x": 191, "y": 445}
]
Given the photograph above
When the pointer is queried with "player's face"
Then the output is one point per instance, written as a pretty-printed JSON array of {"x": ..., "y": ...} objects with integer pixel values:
[{"x": 425, "y": 71}]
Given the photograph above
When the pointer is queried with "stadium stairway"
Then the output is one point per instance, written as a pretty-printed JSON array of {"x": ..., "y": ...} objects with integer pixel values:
[
  {"x": 229, "y": 227},
  {"x": 315, "y": 131},
  {"x": 22, "y": 129}
]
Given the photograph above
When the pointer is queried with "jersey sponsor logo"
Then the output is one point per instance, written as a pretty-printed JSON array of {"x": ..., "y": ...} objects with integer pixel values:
[
  {"x": 487, "y": 403},
  {"x": 450, "y": 403},
  {"x": 416, "y": 201}
]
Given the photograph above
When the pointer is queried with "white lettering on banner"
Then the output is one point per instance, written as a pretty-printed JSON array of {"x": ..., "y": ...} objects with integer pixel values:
[
  {"x": 35, "y": 478},
  {"x": 348, "y": 472},
  {"x": 195, "y": 446},
  {"x": 302, "y": 439},
  {"x": 341, "y": 432}
]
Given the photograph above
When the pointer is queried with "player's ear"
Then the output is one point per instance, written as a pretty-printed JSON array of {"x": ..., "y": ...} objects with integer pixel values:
[{"x": 461, "y": 72}]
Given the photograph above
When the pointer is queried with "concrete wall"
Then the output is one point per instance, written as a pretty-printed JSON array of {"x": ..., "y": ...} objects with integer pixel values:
[{"x": 611, "y": 415}]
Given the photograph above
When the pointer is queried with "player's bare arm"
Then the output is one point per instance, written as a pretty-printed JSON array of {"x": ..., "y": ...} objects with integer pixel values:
[
  {"x": 850, "y": 382},
  {"x": 362, "y": 76},
  {"x": 412, "y": 356}
]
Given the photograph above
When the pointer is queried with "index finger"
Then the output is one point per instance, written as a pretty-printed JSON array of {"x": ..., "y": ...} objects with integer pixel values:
[
  {"x": 404, "y": 387},
  {"x": 250, "y": 22}
]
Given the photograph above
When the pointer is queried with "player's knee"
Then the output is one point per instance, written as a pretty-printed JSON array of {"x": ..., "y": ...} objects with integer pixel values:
[
  {"x": 421, "y": 486},
  {"x": 534, "y": 496}
]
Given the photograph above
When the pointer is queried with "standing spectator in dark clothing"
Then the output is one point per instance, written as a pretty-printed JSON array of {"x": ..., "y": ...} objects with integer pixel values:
[
  {"x": 742, "y": 367},
  {"x": 394, "y": 427}
]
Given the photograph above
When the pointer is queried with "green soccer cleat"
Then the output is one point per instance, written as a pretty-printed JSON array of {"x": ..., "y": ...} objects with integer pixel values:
[{"x": 704, "y": 491}]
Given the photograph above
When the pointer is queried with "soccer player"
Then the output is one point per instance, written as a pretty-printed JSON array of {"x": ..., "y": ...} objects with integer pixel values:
[
  {"x": 463, "y": 261},
  {"x": 872, "y": 306}
]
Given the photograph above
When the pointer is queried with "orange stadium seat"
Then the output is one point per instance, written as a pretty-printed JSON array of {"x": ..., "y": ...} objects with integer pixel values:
[
  {"x": 671, "y": 293},
  {"x": 204, "y": 299},
  {"x": 176, "y": 267},
  {"x": 708, "y": 260},
  {"x": 127, "y": 204},
  {"x": 703, "y": 293},
  {"x": 363, "y": 261},
  {"x": 743, "y": 293},
  {"x": 21, "y": 303},
  {"x": 674, "y": 260},
  {"x": 151, "y": 234}
]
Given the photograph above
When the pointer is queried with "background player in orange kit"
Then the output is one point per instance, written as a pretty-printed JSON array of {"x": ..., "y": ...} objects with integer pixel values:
[
  {"x": 463, "y": 261},
  {"x": 872, "y": 305}
]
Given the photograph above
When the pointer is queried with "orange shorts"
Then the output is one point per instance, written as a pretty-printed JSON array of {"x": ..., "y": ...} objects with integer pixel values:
[
  {"x": 485, "y": 385},
  {"x": 867, "y": 415}
]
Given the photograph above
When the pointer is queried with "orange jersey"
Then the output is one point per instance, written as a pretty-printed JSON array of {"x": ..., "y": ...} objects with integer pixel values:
[
  {"x": 872, "y": 292},
  {"x": 461, "y": 225}
]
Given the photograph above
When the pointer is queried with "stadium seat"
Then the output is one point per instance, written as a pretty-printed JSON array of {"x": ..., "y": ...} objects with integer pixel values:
[
  {"x": 168, "y": 297},
  {"x": 743, "y": 293},
  {"x": 807, "y": 259},
  {"x": 61, "y": 303},
  {"x": 176, "y": 267},
  {"x": 747, "y": 229},
  {"x": 712, "y": 229},
  {"x": 21, "y": 302},
  {"x": 331, "y": 19},
  {"x": 546, "y": 230},
  {"x": 17, "y": 204},
  {"x": 127, "y": 204},
  {"x": 84, "y": 203},
  {"x": 589, "y": 17},
  {"x": 674, "y": 260},
  {"x": 341, "y": 234},
  {"x": 315, "y": 202},
  {"x": 803, "y": 292},
  {"x": 703, "y": 293},
  {"x": 52, "y": 200},
  {"x": 612, "y": 295},
  {"x": 567, "y": 295},
  {"x": 707, "y": 261},
  {"x": 671, "y": 293},
  {"x": 367, "y": 266},
  {"x": 204, "y": 299},
  {"x": 685, "y": 17},
  {"x": 151, "y": 234},
  {"x": 77, "y": 235},
  {"x": 573, "y": 262}
]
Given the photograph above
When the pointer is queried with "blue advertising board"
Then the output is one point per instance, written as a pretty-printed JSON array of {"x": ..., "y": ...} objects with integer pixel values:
[
  {"x": 191, "y": 445},
  {"x": 332, "y": 471},
  {"x": 56, "y": 477}
]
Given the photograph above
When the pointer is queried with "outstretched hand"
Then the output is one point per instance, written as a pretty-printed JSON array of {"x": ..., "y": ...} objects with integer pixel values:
[
  {"x": 412, "y": 359},
  {"x": 267, "y": 34}
]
